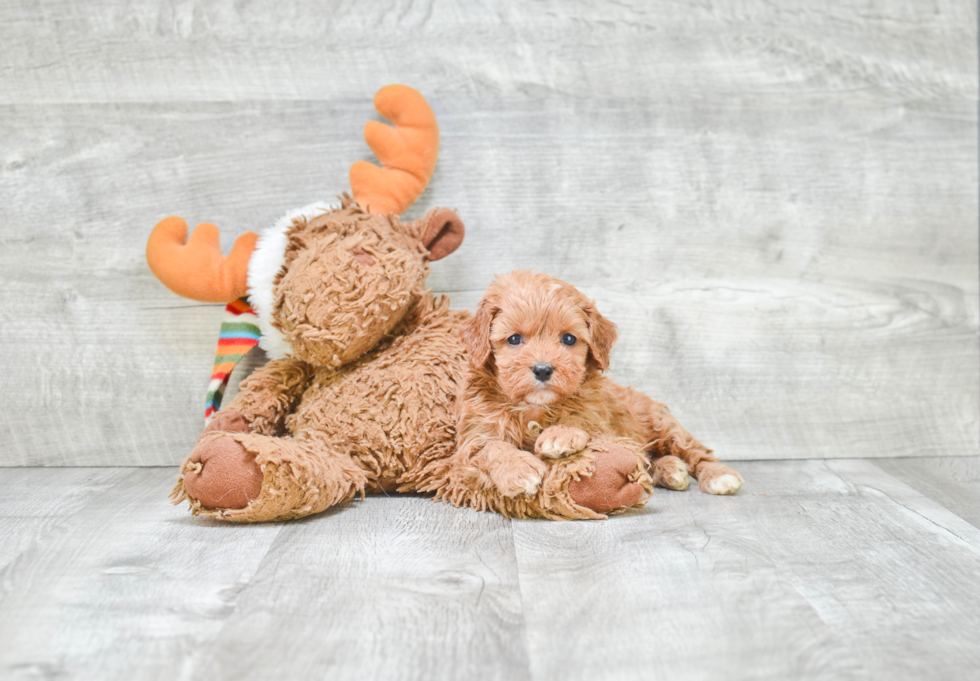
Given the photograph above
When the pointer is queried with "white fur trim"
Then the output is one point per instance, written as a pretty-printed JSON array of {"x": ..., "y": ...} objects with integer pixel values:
[{"x": 265, "y": 263}]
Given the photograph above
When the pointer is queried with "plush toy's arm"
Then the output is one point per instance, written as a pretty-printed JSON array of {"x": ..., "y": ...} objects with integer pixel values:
[{"x": 271, "y": 393}]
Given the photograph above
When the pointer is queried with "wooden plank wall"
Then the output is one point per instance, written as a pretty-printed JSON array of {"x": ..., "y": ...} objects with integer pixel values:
[{"x": 777, "y": 202}]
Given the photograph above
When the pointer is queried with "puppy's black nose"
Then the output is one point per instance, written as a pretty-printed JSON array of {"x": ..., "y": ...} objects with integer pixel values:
[{"x": 542, "y": 371}]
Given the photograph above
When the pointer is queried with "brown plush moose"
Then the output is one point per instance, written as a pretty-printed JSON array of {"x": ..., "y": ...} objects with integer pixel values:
[{"x": 360, "y": 393}]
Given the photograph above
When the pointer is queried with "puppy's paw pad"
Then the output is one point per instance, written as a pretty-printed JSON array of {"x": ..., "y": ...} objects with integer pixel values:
[
  {"x": 559, "y": 441},
  {"x": 715, "y": 477},
  {"x": 517, "y": 485},
  {"x": 520, "y": 475},
  {"x": 677, "y": 479},
  {"x": 531, "y": 484},
  {"x": 724, "y": 484},
  {"x": 671, "y": 473}
]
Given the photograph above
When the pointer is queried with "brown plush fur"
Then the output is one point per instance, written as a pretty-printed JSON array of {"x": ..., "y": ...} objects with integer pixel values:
[
  {"x": 507, "y": 411},
  {"x": 367, "y": 400}
]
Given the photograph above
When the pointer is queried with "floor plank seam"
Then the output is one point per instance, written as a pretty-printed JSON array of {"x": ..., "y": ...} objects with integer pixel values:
[{"x": 520, "y": 595}]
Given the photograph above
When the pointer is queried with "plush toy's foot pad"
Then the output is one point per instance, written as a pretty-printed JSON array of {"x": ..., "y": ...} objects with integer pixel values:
[
  {"x": 670, "y": 472},
  {"x": 222, "y": 474},
  {"x": 717, "y": 478},
  {"x": 609, "y": 487}
]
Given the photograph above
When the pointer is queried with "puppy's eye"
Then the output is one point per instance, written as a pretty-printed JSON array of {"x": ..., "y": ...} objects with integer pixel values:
[
  {"x": 516, "y": 339},
  {"x": 568, "y": 339}
]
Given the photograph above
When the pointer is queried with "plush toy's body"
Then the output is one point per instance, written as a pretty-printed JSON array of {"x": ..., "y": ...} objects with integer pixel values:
[
  {"x": 322, "y": 429},
  {"x": 360, "y": 393},
  {"x": 391, "y": 410}
]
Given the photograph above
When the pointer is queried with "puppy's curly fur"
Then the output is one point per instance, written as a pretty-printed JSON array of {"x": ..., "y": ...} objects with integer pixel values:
[{"x": 537, "y": 349}]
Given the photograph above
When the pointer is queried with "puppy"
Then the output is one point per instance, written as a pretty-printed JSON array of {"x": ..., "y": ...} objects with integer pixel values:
[{"x": 537, "y": 349}]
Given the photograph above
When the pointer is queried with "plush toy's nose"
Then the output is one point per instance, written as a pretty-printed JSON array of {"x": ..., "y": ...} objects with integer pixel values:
[{"x": 542, "y": 371}]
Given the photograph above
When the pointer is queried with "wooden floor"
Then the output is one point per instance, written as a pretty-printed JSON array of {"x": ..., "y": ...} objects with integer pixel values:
[{"x": 818, "y": 569}]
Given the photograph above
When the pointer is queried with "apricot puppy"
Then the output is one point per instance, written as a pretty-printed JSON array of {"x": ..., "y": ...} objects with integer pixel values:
[{"x": 537, "y": 349}]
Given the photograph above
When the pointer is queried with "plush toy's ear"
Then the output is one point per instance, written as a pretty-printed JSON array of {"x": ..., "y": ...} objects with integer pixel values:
[
  {"x": 602, "y": 334},
  {"x": 474, "y": 333},
  {"x": 443, "y": 234}
]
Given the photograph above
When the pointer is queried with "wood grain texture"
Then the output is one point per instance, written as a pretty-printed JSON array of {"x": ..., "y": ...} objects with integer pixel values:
[
  {"x": 196, "y": 51},
  {"x": 815, "y": 570},
  {"x": 37, "y": 503},
  {"x": 953, "y": 483},
  {"x": 777, "y": 203},
  {"x": 818, "y": 570},
  {"x": 127, "y": 587},
  {"x": 391, "y": 588}
]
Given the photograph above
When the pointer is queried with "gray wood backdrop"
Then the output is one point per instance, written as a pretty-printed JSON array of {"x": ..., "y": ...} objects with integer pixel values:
[{"x": 776, "y": 202}]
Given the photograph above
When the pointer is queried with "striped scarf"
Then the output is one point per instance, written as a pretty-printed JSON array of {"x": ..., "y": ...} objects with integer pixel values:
[{"x": 239, "y": 334}]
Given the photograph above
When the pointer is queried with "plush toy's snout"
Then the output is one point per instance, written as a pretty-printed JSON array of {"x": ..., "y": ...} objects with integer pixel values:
[{"x": 340, "y": 296}]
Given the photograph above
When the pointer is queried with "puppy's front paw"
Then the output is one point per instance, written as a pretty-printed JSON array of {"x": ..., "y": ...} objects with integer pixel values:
[
  {"x": 717, "y": 478},
  {"x": 518, "y": 476},
  {"x": 558, "y": 441}
]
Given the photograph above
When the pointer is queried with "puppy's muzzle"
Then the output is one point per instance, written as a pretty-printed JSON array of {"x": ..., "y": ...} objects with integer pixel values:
[{"x": 542, "y": 371}]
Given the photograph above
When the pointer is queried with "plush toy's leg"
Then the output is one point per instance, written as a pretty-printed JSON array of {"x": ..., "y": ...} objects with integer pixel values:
[
  {"x": 617, "y": 481},
  {"x": 246, "y": 477},
  {"x": 221, "y": 474},
  {"x": 604, "y": 478}
]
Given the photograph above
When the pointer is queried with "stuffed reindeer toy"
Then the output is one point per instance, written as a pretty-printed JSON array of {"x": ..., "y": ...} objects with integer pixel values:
[{"x": 360, "y": 391}]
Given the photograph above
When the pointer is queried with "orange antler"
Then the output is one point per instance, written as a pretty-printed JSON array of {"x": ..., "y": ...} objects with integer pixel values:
[
  {"x": 407, "y": 152},
  {"x": 194, "y": 268}
]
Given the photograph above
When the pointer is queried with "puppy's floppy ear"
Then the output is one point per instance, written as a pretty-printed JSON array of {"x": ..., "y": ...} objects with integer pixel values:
[
  {"x": 603, "y": 335},
  {"x": 474, "y": 333}
]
